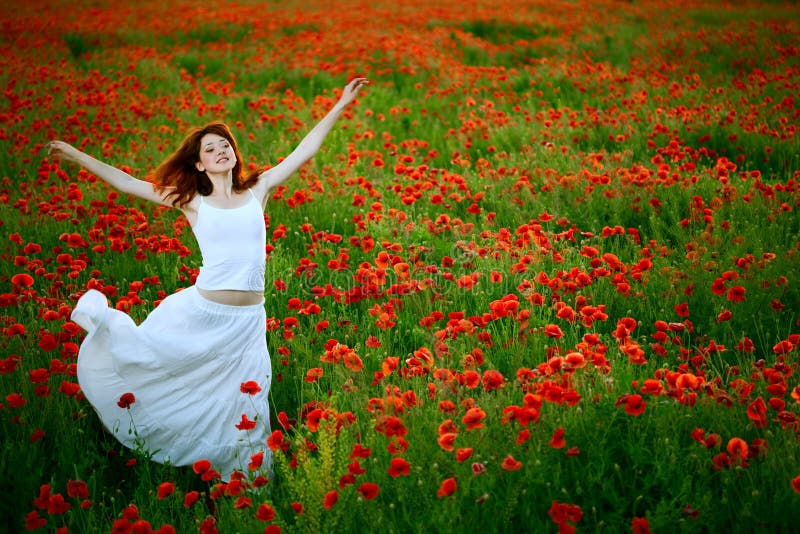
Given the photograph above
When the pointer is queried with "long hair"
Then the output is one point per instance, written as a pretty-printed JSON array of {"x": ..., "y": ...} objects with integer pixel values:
[{"x": 179, "y": 171}]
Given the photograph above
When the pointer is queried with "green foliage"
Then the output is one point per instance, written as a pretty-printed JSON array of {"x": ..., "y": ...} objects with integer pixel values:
[
  {"x": 79, "y": 44},
  {"x": 504, "y": 32}
]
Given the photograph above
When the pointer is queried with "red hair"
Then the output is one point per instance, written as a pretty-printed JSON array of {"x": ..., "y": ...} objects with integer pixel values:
[{"x": 179, "y": 171}]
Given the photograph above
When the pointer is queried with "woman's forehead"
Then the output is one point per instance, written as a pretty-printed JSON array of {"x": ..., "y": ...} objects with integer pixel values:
[{"x": 212, "y": 139}]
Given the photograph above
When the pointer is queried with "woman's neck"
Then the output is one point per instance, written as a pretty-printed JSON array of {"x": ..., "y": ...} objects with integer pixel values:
[{"x": 222, "y": 184}]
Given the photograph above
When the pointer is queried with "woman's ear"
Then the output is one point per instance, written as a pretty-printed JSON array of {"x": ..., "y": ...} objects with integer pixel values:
[{"x": 199, "y": 166}]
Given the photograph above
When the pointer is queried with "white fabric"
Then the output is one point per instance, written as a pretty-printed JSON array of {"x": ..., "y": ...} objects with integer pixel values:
[
  {"x": 232, "y": 243},
  {"x": 185, "y": 365}
]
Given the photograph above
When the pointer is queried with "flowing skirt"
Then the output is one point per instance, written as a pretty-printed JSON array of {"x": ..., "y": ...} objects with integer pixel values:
[{"x": 185, "y": 366}]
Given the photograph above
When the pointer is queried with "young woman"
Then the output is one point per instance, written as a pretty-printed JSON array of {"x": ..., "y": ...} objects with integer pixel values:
[{"x": 191, "y": 381}]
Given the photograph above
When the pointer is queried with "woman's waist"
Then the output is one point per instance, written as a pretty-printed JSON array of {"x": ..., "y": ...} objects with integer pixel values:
[{"x": 232, "y": 297}]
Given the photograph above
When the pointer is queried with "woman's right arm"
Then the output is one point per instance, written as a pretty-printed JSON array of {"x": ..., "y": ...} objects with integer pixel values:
[{"x": 120, "y": 180}]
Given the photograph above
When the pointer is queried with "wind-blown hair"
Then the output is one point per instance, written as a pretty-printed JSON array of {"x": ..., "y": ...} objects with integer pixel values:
[{"x": 179, "y": 173}]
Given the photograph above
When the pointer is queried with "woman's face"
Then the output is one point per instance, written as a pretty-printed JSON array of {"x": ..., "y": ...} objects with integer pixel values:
[{"x": 216, "y": 155}]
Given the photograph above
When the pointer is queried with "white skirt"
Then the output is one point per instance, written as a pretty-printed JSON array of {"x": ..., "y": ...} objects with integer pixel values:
[{"x": 185, "y": 365}]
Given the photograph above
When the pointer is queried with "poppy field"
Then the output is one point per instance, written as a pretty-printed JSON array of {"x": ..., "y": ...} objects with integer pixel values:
[{"x": 543, "y": 275}]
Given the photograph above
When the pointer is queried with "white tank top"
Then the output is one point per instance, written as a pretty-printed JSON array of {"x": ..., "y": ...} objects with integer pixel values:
[{"x": 232, "y": 242}]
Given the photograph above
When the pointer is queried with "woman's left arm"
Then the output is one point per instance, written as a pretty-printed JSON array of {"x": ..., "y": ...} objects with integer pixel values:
[{"x": 310, "y": 144}]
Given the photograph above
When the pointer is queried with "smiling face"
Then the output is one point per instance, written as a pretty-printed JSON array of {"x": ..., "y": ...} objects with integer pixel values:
[{"x": 216, "y": 155}]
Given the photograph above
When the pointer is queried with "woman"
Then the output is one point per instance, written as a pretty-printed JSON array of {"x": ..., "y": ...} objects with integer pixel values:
[{"x": 191, "y": 382}]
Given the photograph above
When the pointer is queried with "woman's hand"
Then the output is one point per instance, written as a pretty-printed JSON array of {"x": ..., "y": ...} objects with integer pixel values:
[
  {"x": 351, "y": 90},
  {"x": 62, "y": 151}
]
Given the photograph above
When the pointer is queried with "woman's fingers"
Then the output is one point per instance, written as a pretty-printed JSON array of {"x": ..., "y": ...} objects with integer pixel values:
[
  {"x": 358, "y": 83},
  {"x": 58, "y": 149}
]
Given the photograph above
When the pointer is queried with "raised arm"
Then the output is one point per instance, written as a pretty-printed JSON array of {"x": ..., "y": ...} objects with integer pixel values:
[
  {"x": 310, "y": 144},
  {"x": 120, "y": 180}
]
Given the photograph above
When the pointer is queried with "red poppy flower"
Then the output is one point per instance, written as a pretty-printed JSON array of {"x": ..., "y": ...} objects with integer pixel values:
[
  {"x": 125, "y": 400},
  {"x": 478, "y": 468},
  {"x": 564, "y": 513},
  {"x": 724, "y": 315},
  {"x": 201, "y": 466},
  {"x": 558, "y": 441},
  {"x": 245, "y": 423},
  {"x": 634, "y": 404},
  {"x": 314, "y": 417},
  {"x": 474, "y": 418},
  {"x": 265, "y": 513},
  {"x": 463, "y": 454},
  {"x": 70, "y": 389},
  {"x": 738, "y": 449},
  {"x": 446, "y": 440},
  {"x": 757, "y": 412},
  {"x": 284, "y": 421},
  {"x": 553, "y": 331},
  {"x": 736, "y": 294},
  {"x": 652, "y": 386},
  {"x": 639, "y": 525},
  {"x": 250, "y": 387},
  {"x": 447, "y": 487},
  {"x": 352, "y": 361},
  {"x": 682, "y": 309},
  {"x": 313, "y": 374},
  {"x": 721, "y": 461},
  {"x": 242, "y": 503},
  {"x": 360, "y": 452},
  {"x": 718, "y": 287},
  {"x": 397, "y": 445},
  {"x": 57, "y": 505},
  {"x": 256, "y": 460},
  {"x": 22, "y": 280},
  {"x": 16, "y": 400},
  {"x": 130, "y": 512},
  {"x": 783, "y": 347},
  {"x": 330, "y": 499},
  {"x": 471, "y": 379},
  {"x": 276, "y": 441},
  {"x": 698, "y": 434},
  {"x": 510, "y": 464},
  {"x": 493, "y": 380},
  {"x": 399, "y": 467},
  {"x": 165, "y": 489},
  {"x": 190, "y": 498},
  {"x": 346, "y": 480},
  {"x": 355, "y": 468},
  {"x": 796, "y": 484},
  {"x": 389, "y": 426},
  {"x": 33, "y": 521},
  {"x": 77, "y": 489},
  {"x": 368, "y": 490}
]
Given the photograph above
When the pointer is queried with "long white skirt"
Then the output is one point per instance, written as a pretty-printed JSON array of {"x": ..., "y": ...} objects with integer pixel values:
[{"x": 185, "y": 365}]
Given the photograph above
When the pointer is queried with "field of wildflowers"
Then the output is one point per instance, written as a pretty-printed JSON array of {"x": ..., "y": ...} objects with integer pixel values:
[{"x": 543, "y": 276}]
